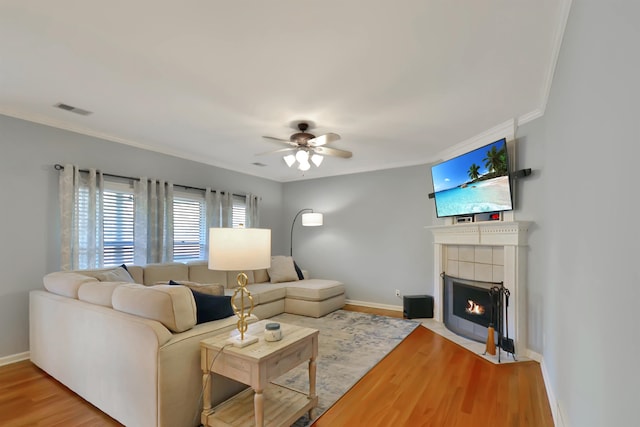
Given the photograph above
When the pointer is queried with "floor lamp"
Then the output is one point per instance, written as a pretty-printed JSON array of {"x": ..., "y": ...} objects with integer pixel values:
[
  {"x": 240, "y": 249},
  {"x": 309, "y": 219}
]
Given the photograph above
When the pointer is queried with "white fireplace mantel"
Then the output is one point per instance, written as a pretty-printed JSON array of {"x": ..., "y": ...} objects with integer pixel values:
[
  {"x": 489, "y": 233},
  {"x": 512, "y": 236}
]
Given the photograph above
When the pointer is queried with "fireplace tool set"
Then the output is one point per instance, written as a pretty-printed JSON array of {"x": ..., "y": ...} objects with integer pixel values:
[{"x": 499, "y": 296}]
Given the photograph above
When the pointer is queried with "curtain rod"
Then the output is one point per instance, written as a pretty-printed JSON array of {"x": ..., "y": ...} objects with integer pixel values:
[{"x": 59, "y": 167}]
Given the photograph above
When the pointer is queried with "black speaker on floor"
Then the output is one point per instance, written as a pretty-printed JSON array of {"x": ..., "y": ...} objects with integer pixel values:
[{"x": 417, "y": 306}]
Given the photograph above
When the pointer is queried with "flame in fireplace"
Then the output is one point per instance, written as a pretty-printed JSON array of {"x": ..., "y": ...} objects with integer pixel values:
[{"x": 474, "y": 308}]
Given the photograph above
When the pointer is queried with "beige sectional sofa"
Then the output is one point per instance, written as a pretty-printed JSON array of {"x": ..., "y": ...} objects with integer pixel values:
[{"x": 132, "y": 349}]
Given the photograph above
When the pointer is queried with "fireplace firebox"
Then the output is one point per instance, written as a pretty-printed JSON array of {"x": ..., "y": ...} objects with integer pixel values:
[
  {"x": 469, "y": 308},
  {"x": 473, "y": 304}
]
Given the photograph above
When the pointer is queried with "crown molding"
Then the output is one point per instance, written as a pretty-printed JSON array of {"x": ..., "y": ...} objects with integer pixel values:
[{"x": 565, "y": 8}]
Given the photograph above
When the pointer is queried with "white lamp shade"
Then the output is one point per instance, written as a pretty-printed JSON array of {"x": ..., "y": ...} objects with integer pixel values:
[
  {"x": 239, "y": 249},
  {"x": 289, "y": 159},
  {"x": 311, "y": 219},
  {"x": 317, "y": 159},
  {"x": 302, "y": 156},
  {"x": 304, "y": 166}
]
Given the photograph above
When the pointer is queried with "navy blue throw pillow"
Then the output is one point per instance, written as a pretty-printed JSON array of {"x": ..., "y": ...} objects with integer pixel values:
[
  {"x": 298, "y": 271},
  {"x": 212, "y": 307}
]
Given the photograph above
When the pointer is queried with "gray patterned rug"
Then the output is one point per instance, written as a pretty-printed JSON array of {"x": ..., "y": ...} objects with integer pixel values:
[{"x": 350, "y": 344}]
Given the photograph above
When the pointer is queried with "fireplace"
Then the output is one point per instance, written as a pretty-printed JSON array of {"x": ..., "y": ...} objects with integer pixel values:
[
  {"x": 468, "y": 307},
  {"x": 507, "y": 240}
]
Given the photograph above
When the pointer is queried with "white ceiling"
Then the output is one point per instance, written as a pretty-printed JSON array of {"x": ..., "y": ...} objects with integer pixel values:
[{"x": 401, "y": 81}]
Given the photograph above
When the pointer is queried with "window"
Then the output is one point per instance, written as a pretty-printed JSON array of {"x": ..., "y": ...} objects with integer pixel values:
[
  {"x": 239, "y": 211},
  {"x": 118, "y": 221},
  {"x": 189, "y": 227},
  {"x": 118, "y": 224},
  {"x": 190, "y": 224}
]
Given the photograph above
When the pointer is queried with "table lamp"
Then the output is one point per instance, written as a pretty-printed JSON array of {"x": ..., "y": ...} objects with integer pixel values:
[{"x": 240, "y": 249}]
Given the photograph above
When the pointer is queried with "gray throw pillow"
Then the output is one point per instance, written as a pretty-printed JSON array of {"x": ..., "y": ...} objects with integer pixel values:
[{"x": 282, "y": 269}]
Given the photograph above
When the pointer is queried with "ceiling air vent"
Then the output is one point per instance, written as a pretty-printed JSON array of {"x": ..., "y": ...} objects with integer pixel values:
[
  {"x": 258, "y": 164},
  {"x": 73, "y": 109}
]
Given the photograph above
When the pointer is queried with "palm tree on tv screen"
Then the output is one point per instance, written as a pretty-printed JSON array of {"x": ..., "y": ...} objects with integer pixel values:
[
  {"x": 473, "y": 171},
  {"x": 496, "y": 161}
]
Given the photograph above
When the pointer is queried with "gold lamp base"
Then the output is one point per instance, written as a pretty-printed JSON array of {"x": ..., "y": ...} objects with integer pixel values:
[{"x": 242, "y": 340}]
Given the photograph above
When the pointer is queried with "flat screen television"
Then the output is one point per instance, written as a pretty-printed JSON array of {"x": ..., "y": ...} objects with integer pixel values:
[{"x": 473, "y": 183}]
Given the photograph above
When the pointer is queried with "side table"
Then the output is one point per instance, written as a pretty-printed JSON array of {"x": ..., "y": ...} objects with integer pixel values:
[{"x": 265, "y": 403}]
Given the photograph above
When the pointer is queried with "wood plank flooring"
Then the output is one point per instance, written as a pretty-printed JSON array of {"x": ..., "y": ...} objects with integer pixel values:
[
  {"x": 30, "y": 397},
  {"x": 426, "y": 381},
  {"x": 430, "y": 381}
]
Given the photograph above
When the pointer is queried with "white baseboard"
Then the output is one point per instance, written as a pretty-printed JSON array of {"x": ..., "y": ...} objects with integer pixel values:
[
  {"x": 374, "y": 305},
  {"x": 534, "y": 356},
  {"x": 7, "y": 360},
  {"x": 556, "y": 411}
]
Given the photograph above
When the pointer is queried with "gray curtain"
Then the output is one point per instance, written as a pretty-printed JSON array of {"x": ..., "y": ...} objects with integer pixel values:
[
  {"x": 252, "y": 215},
  {"x": 153, "y": 221},
  {"x": 81, "y": 207}
]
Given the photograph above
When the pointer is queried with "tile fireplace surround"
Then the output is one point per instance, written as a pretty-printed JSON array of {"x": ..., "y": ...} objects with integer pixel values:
[{"x": 485, "y": 251}]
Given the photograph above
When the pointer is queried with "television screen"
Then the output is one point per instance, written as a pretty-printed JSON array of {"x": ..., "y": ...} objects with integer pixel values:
[{"x": 475, "y": 182}]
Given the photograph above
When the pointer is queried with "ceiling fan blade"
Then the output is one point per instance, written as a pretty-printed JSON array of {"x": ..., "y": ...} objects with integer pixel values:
[
  {"x": 326, "y": 151},
  {"x": 285, "y": 141},
  {"x": 324, "y": 139},
  {"x": 281, "y": 150}
]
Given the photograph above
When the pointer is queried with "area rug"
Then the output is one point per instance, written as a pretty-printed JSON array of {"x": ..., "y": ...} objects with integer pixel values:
[{"x": 349, "y": 345}]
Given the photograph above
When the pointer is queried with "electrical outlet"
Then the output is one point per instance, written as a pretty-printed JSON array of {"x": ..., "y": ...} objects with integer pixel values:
[{"x": 397, "y": 292}]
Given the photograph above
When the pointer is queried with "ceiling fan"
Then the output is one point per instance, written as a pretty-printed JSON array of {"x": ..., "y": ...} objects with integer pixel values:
[{"x": 304, "y": 146}]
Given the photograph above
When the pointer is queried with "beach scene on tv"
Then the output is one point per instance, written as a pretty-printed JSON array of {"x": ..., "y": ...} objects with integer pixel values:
[{"x": 476, "y": 182}]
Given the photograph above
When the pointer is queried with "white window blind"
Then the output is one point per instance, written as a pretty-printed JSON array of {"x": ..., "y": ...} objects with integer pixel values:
[
  {"x": 118, "y": 227},
  {"x": 189, "y": 227},
  {"x": 239, "y": 211}
]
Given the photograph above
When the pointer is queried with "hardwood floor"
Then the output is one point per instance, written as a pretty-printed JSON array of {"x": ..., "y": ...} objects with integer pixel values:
[
  {"x": 430, "y": 381},
  {"x": 426, "y": 381},
  {"x": 30, "y": 397}
]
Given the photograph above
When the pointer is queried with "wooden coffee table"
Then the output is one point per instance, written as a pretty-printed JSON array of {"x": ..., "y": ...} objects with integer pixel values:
[{"x": 265, "y": 403}]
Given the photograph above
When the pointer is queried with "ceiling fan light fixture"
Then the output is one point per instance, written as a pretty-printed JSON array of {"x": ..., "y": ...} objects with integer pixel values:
[
  {"x": 302, "y": 156},
  {"x": 304, "y": 166},
  {"x": 317, "y": 159},
  {"x": 289, "y": 159}
]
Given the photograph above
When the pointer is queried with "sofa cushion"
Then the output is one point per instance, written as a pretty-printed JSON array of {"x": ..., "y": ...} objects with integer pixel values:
[
  {"x": 66, "y": 283},
  {"x": 199, "y": 272},
  {"x": 314, "y": 289},
  {"x": 261, "y": 276},
  {"x": 212, "y": 307},
  {"x": 136, "y": 272},
  {"x": 173, "y": 306},
  {"x": 209, "y": 289},
  {"x": 164, "y": 272},
  {"x": 263, "y": 293},
  {"x": 99, "y": 293},
  {"x": 282, "y": 269}
]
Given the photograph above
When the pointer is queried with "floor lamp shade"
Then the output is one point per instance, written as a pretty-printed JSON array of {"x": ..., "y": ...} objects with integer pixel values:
[
  {"x": 311, "y": 219},
  {"x": 239, "y": 249}
]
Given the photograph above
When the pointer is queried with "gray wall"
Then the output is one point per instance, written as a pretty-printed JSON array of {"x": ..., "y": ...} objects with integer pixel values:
[
  {"x": 373, "y": 238},
  {"x": 583, "y": 278},
  {"x": 29, "y": 217}
]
